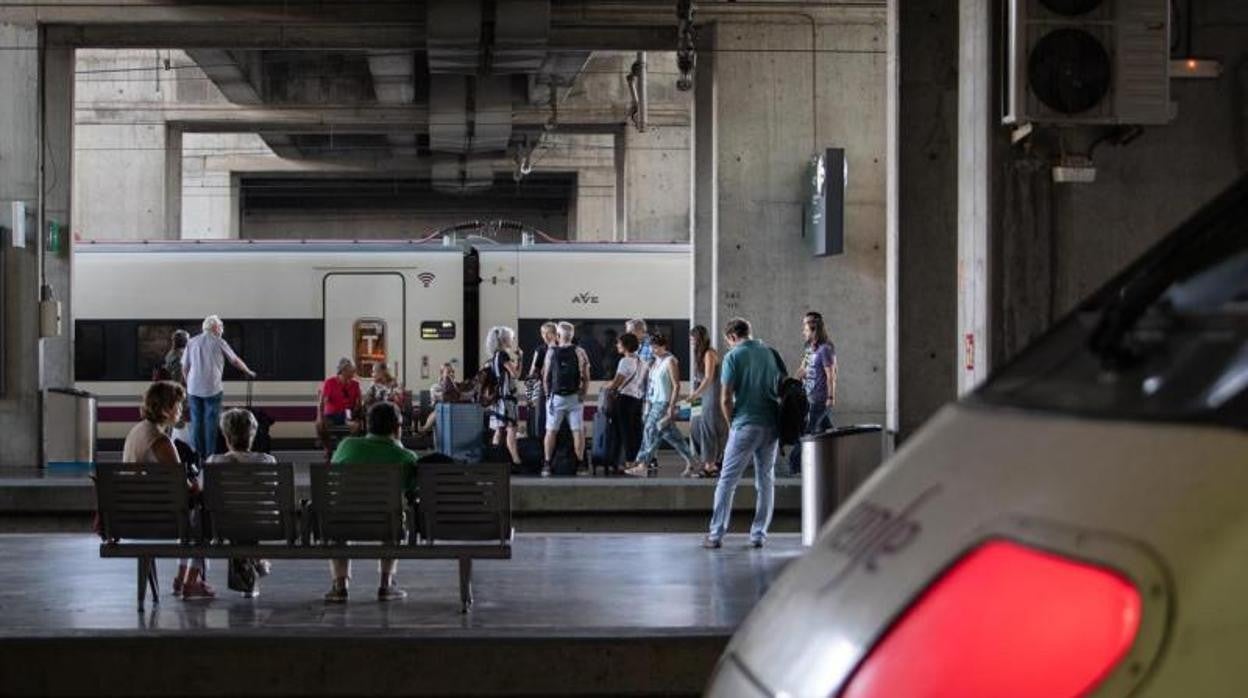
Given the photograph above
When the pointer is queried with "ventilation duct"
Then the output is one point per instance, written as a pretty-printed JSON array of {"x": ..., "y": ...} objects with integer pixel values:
[
  {"x": 454, "y": 36},
  {"x": 448, "y": 113},
  {"x": 521, "y": 35},
  {"x": 461, "y": 175}
]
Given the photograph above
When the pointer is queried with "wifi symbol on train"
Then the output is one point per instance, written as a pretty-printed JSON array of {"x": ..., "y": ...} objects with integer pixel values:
[{"x": 426, "y": 278}]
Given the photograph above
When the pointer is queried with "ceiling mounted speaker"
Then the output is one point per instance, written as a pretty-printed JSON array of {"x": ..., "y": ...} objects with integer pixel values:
[
  {"x": 1071, "y": 8},
  {"x": 1070, "y": 71}
]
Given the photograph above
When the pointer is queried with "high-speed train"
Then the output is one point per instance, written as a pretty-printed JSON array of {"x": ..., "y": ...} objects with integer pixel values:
[
  {"x": 1077, "y": 527},
  {"x": 292, "y": 309}
]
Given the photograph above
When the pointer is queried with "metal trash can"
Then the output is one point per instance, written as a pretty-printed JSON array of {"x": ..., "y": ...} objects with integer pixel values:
[
  {"x": 69, "y": 429},
  {"x": 834, "y": 464}
]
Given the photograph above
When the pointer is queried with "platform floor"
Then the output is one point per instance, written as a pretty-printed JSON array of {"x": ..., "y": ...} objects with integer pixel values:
[
  {"x": 621, "y": 583},
  {"x": 568, "y": 615}
]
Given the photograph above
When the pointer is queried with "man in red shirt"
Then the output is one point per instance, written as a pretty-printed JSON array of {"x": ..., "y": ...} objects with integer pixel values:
[{"x": 339, "y": 403}]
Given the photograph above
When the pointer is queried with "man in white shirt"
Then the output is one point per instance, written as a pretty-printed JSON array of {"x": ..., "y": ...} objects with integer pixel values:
[{"x": 203, "y": 363}]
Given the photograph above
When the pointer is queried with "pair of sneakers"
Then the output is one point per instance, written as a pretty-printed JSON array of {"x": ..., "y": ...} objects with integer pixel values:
[
  {"x": 391, "y": 592},
  {"x": 715, "y": 543}
]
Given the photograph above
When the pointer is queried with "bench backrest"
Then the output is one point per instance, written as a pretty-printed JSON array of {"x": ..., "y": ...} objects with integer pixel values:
[
  {"x": 465, "y": 501},
  {"x": 142, "y": 501},
  {"x": 358, "y": 502},
  {"x": 247, "y": 502}
]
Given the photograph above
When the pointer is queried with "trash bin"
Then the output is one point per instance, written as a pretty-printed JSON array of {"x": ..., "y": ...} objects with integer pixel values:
[
  {"x": 69, "y": 429},
  {"x": 834, "y": 464}
]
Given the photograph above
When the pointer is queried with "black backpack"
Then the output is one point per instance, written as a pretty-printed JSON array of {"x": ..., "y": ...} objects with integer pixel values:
[
  {"x": 565, "y": 371},
  {"x": 793, "y": 406}
]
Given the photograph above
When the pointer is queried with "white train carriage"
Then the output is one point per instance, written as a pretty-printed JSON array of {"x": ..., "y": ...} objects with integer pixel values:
[{"x": 292, "y": 309}]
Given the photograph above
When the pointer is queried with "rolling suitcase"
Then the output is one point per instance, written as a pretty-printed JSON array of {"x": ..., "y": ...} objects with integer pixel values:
[
  {"x": 460, "y": 431},
  {"x": 601, "y": 446}
]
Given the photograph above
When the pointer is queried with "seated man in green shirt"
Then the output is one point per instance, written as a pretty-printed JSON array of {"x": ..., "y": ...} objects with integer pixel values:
[{"x": 381, "y": 447}]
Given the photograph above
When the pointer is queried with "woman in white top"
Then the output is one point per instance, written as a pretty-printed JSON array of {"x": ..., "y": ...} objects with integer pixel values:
[
  {"x": 239, "y": 428},
  {"x": 149, "y": 442}
]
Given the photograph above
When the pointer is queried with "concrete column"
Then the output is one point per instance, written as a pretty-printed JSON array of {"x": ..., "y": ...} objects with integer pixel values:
[
  {"x": 621, "y": 185},
  {"x": 926, "y": 216},
  {"x": 704, "y": 206},
  {"x": 975, "y": 118},
  {"x": 173, "y": 182},
  {"x": 35, "y": 163}
]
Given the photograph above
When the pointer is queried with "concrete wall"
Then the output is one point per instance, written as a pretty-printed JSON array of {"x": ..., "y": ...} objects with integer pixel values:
[
  {"x": 768, "y": 128},
  {"x": 1057, "y": 243},
  {"x": 32, "y": 363},
  {"x": 120, "y": 159},
  {"x": 121, "y": 90},
  {"x": 1146, "y": 188}
]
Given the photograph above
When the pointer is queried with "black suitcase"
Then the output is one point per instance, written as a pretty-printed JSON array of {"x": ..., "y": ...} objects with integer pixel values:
[
  {"x": 564, "y": 463},
  {"x": 531, "y": 455}
]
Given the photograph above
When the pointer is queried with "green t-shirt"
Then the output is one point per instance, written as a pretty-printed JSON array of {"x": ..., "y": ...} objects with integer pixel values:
[
  {"x": 378, "y": 450},
  {"x": 750, "y": 369}
]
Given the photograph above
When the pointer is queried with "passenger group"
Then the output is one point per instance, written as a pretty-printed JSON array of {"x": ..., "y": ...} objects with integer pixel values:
[{"x": 733, "y": 408}]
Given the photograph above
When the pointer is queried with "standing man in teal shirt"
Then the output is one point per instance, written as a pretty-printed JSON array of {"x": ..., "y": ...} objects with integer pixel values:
[
  {"x": 380, "y": 447},
  {"x": 750, "y": 378}
]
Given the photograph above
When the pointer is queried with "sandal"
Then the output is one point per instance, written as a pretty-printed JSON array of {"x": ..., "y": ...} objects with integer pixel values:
[
  {"x": 707, "y": 473},
  {"x": 639, "y": 470}
]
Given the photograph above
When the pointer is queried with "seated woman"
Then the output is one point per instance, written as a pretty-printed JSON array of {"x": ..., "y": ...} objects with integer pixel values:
[
  {"x": 445, "y": 390},
  {"x": 385, "y": 388},
  {"x": 338, "y": 404},
  {"x": 239, "y": 428},
  {"x": 149, "y": 442}
]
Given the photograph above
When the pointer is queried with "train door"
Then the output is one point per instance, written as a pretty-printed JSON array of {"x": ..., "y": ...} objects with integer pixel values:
[{"x": 365, "y": 320}]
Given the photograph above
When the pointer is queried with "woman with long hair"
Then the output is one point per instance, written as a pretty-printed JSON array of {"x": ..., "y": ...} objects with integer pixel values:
[
  {"x": 500, "y": 344},
  {"x": 149, "y": 442},
  {"x": 708, "y": 429},
  {"x": 818, "y": 375},
  {"x": 662, "y": 395}
]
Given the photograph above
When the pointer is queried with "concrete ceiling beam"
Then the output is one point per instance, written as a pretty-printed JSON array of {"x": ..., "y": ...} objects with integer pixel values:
[
  {"x": 342, "y": 37},
  {"x": 236, "y": 118}
]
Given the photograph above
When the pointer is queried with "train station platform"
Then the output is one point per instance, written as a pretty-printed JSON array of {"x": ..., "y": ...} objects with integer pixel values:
[
  {"x": 32, "y": 500},
  {"x": 570, "y": 614}
]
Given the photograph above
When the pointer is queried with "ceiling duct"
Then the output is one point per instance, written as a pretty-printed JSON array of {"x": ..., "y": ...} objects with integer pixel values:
[
  {"x": 462, "y": 175},
  {"x": 492, "y": 117},
  {"x": 448, "y": 113},
  {"x": 394, "y": 76},
  {"x": 454, "y": 36},
  {"x": 521, "y": 36}
]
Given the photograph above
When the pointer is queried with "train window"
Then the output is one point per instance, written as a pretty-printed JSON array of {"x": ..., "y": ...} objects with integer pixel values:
[
  {"x": 370, "y": 345},
  {"x": 598, "y": 336},
  {"x": 437, "y": 329},
  {"x": 88, "y": 351}
]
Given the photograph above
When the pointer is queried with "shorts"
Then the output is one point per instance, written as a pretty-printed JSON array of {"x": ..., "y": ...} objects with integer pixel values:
[
  {"x": 560, "y": 406},
  {"x": 504, "y": 414}
]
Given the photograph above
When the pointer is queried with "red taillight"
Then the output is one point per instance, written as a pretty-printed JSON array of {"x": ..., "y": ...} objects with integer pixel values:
[{"x": 1006, "y": 620}]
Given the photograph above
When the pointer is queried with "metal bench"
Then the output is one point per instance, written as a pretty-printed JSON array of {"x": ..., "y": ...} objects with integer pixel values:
[{"x": 463, "y": 511}]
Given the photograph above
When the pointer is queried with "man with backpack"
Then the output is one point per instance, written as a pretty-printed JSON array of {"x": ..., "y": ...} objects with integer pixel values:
[
  {"x": 750, "y": 400},
  {"x": 565, "y": 374}
]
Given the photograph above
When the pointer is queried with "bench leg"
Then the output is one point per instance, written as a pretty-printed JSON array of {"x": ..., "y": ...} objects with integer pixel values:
[
  {"x": 465, "y": 584},
  {"x": 143, "y": 569},
  {"x": 152, "y": 581}
]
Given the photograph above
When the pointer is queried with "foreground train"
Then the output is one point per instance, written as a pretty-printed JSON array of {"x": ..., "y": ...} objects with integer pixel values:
[
  {"x": 292, "y": 309},
  {"x": 1076, "y": 527}
]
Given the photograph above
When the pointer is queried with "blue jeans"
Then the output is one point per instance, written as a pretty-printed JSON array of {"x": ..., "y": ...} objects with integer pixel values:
[
  {"x": 746, "y": 443},
  {"x": 205, "y": 415},
  {"x": 653, "y": 434},
  {"x": 818, "y": 420}
]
